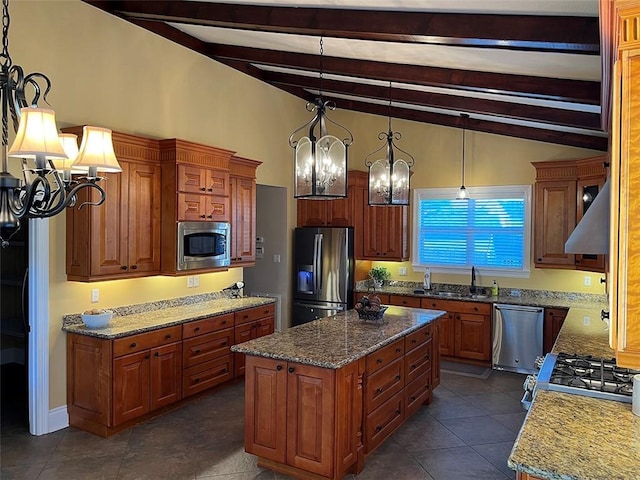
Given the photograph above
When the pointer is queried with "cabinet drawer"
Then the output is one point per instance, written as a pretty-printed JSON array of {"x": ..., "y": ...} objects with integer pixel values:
[
  {"x": 251, "y": 314},
  {"x": 404, "y": 301},
  {"x": 417, "y": 392},
  {"x": 383, "y": 421},
  {"x": 417, "y": 361},
  {"x": 384, "y": 356},
  {"x": 457, "y": 306},
  {"x": 206, "y": 375},
  {"x": 143, "y": 341},
  {"x": 435, "y": 304},
  {"x": 417, "y": 338},
  {"x": 206, "y": 347},
  {"x": 207, "y": 325},
  {"x": 384, "y": 383}
]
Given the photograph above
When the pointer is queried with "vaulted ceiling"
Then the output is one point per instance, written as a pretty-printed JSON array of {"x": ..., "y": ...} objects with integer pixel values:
[{"x": 522, "y": 68}]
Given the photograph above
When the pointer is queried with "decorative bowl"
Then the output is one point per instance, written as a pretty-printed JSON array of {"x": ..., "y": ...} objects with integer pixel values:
[
  {"x": 371, "y": 314},
  {"x": 97, "y": 320}
]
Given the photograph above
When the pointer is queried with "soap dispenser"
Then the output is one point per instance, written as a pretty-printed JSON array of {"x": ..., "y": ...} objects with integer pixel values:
[
  {"x": 494, "y": 289},
  {"x": 427, "y": 279}
]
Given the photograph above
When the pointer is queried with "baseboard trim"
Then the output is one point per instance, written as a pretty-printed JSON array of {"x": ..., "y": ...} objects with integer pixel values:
[{"x": 58, "y": 419}]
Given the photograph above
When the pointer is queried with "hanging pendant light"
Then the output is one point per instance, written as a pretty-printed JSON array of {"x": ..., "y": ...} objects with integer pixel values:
[
  {"x": 320, "y": 158},
  {"x": 389, "y": 176},
  {"x": 462, "y": 193}
]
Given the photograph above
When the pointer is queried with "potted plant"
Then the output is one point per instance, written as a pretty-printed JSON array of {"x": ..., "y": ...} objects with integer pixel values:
[{"x": 379, "y": 275}]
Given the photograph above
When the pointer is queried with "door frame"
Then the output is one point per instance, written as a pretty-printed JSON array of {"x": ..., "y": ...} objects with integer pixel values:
[{"x": 38, "y": 335}]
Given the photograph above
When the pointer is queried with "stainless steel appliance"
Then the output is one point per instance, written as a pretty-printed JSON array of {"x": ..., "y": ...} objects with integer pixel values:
[
  {"x": 517, "y": 337},
  {"x": 581, "y": 375},
  {"x": 203, "y": 245},
  {"x": 323, "y": 262}
]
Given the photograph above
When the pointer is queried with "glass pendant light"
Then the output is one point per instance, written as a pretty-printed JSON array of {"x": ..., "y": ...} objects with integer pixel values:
[{"x": 462, "y": 193}]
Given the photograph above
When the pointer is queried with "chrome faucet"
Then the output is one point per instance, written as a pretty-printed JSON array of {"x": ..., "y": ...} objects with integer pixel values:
[{"x": 472, "y": 288}]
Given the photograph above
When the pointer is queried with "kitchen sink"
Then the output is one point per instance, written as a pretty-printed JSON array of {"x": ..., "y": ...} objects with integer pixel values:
[
  {"x": 449, "y": 294},
  {"x": 475, "y": 296}
]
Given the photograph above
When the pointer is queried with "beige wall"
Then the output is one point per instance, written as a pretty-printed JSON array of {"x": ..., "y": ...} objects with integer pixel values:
[{"x": 110, "y": 73}]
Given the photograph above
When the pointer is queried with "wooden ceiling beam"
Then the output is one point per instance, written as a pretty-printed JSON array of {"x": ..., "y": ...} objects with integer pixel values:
[
  {"x": 555, "y": 116},
  {"x": 561, "y": 34},
  {"x": 577, "y": 91},
  {"x": 539, "y": 134}
]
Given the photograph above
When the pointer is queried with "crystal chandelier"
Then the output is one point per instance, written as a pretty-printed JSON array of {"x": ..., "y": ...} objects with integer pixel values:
[
  {"x": 47, "y": 186},
  {"x": 389, "y": 176},
  {"x": 320, "y": 158}
]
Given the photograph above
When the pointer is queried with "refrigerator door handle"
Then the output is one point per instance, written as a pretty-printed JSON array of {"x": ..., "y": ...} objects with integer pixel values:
[
  {"x": 338, "y": 308},
  {"x": 317, "y": 263}
]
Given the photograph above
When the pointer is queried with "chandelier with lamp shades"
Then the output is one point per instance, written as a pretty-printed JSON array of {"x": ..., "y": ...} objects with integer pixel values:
[
  {"x": 320, "y": 158},
  {"x": 48, "y": 160}
]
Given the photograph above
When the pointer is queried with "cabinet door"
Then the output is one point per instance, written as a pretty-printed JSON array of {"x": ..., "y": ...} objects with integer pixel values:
[
  {"x": 243, "y": 220},
  {"x": 109, "y": 226},
  {"x": 447, "y": 335},
  {"x": 191, "y": 207},
  {"x": 266, "y": 416},
  {"x": 555, "y": 219},
  {"x": 435, "y": 354},
  {"x": 338, "y": 213},
  {"x": 131, "y": 386},
  {"x": 166, "y": 375},
  {"x": 473, "y": 336},
  {"x": 191, "y": 179},
  {"x": 310, "y": 411},
  {"x": 385, "y": 233},
  {"x": 243, "y": 333},
  {"x": 374, "y": 233},
  {"x": 312, "y": 213},
  {"x": 144, "y": 218},
  {"x": 553, "y": 320}
]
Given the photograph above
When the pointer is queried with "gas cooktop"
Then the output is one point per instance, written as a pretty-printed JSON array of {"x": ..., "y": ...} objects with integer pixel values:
[{"x": 586, "y": 375}]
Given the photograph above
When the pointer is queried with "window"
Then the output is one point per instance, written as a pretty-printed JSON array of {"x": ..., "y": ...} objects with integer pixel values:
[{"x": 491, "y": 230}]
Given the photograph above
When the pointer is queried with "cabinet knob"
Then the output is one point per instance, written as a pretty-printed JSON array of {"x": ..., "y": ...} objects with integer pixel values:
[
  {"x": 379, "y": 360},
  {"x": 378, "y": 391},
  {"x": 539, "y": 259},
  {"x": 157, "y": 354},
  {"x": 224, "y": 322},
  {"x": 378, "y": 428},
  {"x": 197, "y": 352},
  {"x": 123, "y": 267},
  {"x": 133, "y": 345},
  {"x": 413, "y": 398},
  {"x": 475, "y": 309},
  {"x": 203, "y": 189},
  {"x": 167, "y": 336},
  {"x": 209, "y": 216},
  {"x": 413, "y": 367},
  {"x": 209, "y": 189},
  {"x": 134, "y": 267},
  {"x": 224, "y": 344},
  {"x": 197, "y": 329},
  {"x": 196, "y": 380},
  {"x": 147, "y": 356},
  {"x": 398, "y": 350},
  {"x": 398, "y": 412},
  {"x": 414, "y": 341},
  {"x": 279, "y": 367},
  {"x": 398, "y": 377},
  {"x": 291, "y": 369},
  {"x": 203, "y": 216},
  {"x": 224, "y": 370}
]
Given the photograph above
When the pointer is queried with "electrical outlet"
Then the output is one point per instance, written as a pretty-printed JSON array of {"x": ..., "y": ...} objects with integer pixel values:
[
  {"x": 402, "y": 271},
  {"x": 276, "y": 259},
  {"x": 586, "y": 320},
  {"x": 189, "y": 281},
  {"x": 95, "y": 295},
  {"x": 196, "y": 281},
  {"x": 587, "y": 280}
]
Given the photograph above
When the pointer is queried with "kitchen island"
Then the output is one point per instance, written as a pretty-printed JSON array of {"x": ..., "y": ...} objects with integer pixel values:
[
  {"x": 573, "y": 437},
  {"x": 322, "y": 396}
]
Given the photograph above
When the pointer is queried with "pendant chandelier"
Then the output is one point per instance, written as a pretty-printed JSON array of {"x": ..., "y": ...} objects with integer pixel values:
[
  {"x": 389, "y": 176},
  {"x": 47, "y": 186},
  {"x": 462, "y": 193},
  {"x": 320, "y": 158}
]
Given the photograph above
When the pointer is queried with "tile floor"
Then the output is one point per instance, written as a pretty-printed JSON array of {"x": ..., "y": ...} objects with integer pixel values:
[{"x": 466, "y": 433}]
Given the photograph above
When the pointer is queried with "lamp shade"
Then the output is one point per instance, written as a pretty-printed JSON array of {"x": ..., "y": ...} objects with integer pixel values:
[
  {"x": 96, "y": 150},
  {"x": 70, "y": 145},
  {"x": 37, "y": 135}
]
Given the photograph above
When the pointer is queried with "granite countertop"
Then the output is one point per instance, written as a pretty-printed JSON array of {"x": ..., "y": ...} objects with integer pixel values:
[
  {"x": 534, "y": 298},
  {"x": 336, "y": 341},
  {"x": 128, "y": 320},
  {"x": 573, "y": 437}
]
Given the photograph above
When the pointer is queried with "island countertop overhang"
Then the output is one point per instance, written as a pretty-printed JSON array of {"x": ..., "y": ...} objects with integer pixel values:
[{"x": 336, "y": 341}]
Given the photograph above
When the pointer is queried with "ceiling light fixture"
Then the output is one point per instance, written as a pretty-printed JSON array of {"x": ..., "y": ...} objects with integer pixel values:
[
  {"x": 320, "y": 158},
  {"x": 389, "y": 176},
  {"x": 462, "y": 193},
  {"x": 47, "y": 187}
]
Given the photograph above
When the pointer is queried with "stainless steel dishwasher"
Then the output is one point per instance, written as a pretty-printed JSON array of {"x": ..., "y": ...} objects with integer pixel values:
[{"x": 517, "y": 337}]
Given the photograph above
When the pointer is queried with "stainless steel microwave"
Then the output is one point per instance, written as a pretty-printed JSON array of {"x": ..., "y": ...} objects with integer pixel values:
[{"x": 203, "y": 245}]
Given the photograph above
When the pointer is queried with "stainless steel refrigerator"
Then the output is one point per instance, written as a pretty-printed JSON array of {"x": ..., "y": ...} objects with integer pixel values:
[{"x": 323, "y": 262}]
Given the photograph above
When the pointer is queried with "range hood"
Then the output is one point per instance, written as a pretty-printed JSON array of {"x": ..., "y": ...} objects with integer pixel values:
[{"x": 591, "y": 235}]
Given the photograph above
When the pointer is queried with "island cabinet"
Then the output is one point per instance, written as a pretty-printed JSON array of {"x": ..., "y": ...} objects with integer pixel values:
[
  {"x": 465, "y": 332},
  {"x": 249, "y": 324},
  {"x": 121, "y": 238},
  {"x": 303, "y": 419},
  {"x": 242, "y": 178}
]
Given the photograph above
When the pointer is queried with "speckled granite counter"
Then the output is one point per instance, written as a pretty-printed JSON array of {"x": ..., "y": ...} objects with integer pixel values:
[
  {"x": 336, "y": 341},
  {"x": 572, "y": 437},
  {"x": 145, "y": 317}
]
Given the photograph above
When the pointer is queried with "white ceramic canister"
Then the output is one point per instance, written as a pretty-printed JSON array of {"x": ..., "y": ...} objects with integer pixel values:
[{"x": 635, "y": 406}]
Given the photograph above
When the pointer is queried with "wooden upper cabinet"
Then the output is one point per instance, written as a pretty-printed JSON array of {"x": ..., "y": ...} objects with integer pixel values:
[
  {"x": 243, "y": 210},
  {"x": 313, "y": 213},
  {"x": 385, "y": 233},
  {"x": 564, "y": 191},
  {"x": 194, "y": 179},
  {"x": 120, "y": 238}
]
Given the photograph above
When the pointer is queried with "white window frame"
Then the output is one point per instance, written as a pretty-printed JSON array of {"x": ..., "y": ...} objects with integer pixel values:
[{"x": 503, "y": 191}]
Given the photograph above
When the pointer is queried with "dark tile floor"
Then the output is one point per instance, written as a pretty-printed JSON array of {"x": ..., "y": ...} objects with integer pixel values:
[{"x": 466, "y": 433}]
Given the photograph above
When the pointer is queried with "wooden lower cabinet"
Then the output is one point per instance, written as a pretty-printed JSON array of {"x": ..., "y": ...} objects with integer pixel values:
[
  {"x": 526, "y": 476},
  {"x": 249, "y": 324},
  {"x": 311, "y": 422},
  {"x": 553, "y": 321},
  {"x": 465, "y": 333}
]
